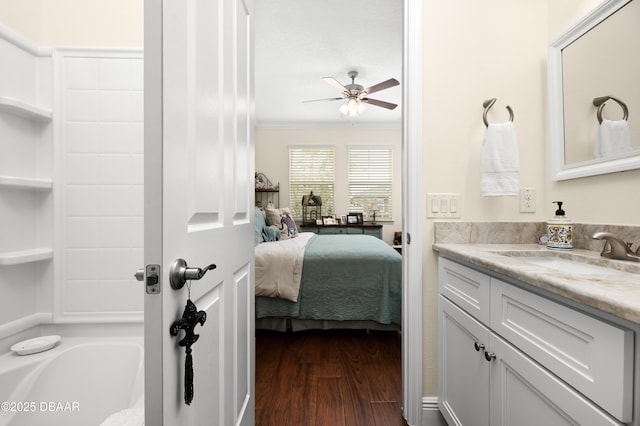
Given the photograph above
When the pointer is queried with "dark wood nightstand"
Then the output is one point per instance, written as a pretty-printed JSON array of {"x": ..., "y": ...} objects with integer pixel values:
[{"x": 364, "y": 228}]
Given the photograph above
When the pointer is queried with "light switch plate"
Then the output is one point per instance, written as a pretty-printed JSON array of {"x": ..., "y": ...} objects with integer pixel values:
[{"x": 445, "y": 205}]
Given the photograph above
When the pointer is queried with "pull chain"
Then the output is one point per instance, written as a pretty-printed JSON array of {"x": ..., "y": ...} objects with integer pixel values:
[{"x": 189, "y": 290}]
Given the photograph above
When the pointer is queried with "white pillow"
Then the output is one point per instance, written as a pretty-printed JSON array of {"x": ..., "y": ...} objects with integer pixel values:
[{"x": 274, "y": 217}]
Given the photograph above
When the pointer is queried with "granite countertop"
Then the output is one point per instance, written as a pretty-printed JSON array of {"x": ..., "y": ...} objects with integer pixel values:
[{"x": 616, "y": 291}]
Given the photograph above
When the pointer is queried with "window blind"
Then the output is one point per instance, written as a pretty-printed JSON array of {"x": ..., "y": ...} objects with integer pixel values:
[
  {"x": 370, "y": 178},
  {"x": 311, "y": 168}
]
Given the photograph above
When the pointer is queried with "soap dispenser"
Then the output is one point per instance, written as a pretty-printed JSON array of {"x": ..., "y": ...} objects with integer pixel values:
[{"x": 560, "y": 230}]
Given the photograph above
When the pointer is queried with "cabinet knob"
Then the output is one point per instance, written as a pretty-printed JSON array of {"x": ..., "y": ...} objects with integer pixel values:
[
  {"x": 478, "y": 347},
  {"x": 489, "y": 356}
]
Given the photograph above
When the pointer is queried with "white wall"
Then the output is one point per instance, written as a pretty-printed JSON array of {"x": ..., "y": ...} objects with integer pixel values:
[
  {"x": 78, "y": 23},
  {"x": 473, "y": 52},
  {"x": 99, "y": 184},
  {"x": 272, "y": 159}
]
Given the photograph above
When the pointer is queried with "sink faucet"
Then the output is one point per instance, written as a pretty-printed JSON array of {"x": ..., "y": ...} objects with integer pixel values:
[{"x": 615, "y": 248}]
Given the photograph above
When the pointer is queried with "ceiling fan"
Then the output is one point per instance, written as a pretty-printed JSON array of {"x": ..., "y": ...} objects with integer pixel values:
[{"x": 356, "y": 95}]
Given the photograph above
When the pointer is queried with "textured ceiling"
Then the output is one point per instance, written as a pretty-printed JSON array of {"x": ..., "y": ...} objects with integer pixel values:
[{"x": 300, "y": 41}]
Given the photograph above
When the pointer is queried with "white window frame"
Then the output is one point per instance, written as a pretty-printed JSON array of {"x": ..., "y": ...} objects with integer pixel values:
[
  {"x": 370, "y": 180},
  {"x": 306, "y": 175}
]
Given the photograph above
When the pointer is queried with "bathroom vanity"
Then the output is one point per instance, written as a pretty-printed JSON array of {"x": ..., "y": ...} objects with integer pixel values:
[{"x": 531, "y": 336}]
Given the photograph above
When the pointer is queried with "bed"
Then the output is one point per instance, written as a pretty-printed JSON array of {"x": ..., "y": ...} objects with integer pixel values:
[{"x": 327, "y": 281}]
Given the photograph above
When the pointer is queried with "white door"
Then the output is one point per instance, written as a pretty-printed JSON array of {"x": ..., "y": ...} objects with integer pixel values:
[{"x": 198, "y": 207}]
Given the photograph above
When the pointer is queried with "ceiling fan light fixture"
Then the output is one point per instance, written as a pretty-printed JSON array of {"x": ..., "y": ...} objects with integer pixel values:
[
  {"x": 352, "y": 107},
  {"x": 344, "y": 108}
]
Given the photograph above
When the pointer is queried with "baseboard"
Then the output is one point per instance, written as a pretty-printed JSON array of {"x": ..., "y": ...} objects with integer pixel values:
[{"x": 431, "y": 413}]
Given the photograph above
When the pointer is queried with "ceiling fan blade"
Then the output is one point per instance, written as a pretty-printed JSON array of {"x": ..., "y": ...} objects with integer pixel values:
[
  {"x": 381, "y": 86},
  {"x": 335, "y": 83},
  {"x": 325, "y": 99},
  {"x": 383, "y": 104}
]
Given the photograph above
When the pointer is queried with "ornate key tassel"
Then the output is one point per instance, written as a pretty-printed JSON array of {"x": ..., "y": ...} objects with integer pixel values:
[{"x": 190, "y": 318}]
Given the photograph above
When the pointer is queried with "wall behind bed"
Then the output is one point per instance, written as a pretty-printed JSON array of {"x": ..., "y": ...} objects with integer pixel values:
[{"x": 272, "y": 159}]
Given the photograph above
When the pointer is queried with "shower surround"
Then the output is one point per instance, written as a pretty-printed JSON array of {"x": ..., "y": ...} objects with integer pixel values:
[{"x": 71, "y": 186}]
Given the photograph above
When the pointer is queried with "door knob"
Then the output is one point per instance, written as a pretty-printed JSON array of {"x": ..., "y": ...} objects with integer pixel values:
[{"x": 180, "y": 273}]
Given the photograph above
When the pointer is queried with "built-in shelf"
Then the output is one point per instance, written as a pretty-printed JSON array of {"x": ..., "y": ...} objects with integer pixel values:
[
  {"x": 25, "y": 256},
  {"x": 27, "y": 183},
  {"x": 24, "y": 109}
]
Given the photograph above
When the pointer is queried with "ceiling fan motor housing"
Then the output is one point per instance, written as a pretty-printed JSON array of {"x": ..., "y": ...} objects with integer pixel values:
[{"x": 353, "y": 89}]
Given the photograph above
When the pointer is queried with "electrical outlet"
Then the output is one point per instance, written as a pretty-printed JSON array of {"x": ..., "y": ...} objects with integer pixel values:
[{"x": 527, "y": 200}]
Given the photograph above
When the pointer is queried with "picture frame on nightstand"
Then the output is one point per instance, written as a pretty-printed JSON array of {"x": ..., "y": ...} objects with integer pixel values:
[
  {"x": 355, "y": 219},
  {"x": 328, "y": 220}
]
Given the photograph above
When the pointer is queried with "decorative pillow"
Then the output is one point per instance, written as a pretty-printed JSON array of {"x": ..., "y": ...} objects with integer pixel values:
[
  {"x": 274, "y": 217},
  {"x": 260, "y": 222},
  {"x": 271, "y": 233},
  {"x": 289, "y": 223}
]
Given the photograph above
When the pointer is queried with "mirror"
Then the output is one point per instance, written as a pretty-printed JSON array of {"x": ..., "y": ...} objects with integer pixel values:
[{"x": 596, "y": 58}]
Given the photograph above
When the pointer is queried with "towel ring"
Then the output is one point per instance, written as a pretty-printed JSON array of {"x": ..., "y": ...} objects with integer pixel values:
[
  {"x": 601, "y": 101},
  {"x": 487, "y": 105}
]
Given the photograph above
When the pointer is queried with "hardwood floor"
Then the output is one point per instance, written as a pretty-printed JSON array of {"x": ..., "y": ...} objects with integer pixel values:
[{"x": 328, "y": 378}]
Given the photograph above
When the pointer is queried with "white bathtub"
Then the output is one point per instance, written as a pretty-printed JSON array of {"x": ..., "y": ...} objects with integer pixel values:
[{"x": 81, "y": 381}]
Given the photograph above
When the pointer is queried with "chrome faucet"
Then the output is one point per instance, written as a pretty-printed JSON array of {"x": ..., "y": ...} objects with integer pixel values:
[{"x": 615, "y": 248}]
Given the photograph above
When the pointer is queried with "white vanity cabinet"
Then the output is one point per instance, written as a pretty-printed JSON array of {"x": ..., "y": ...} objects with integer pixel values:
[{"x": 508, "y": 356}]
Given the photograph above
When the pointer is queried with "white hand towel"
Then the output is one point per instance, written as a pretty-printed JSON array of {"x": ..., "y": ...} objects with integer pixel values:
[
  {"x": 613, "y": 138},
  {"x": 499, "y": 164}
]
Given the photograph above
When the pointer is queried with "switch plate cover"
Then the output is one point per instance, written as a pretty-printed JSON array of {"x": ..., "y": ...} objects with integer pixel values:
[{"x": 446, "y": 205}]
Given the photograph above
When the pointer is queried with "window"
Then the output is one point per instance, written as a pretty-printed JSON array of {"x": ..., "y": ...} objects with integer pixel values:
[
  {"x": 371, "y": 181},
  {"x": 311, "y": 168}
]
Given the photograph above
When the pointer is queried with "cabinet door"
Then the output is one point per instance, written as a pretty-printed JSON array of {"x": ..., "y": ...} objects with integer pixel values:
[
  {"x": 463, "y": 371},
  {"x": 591, "y": 355},
  {"x": 466, "y": 287},
  {"x": 525, "y": 394}
]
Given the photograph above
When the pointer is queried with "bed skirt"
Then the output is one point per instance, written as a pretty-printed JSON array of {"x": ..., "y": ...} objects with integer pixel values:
[{"x": 294, "y": 324}]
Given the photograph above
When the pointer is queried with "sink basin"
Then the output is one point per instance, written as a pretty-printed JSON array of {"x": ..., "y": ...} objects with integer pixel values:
[
  {"x": 570, "y": 266},
  {"x": 579, "y": 262}
]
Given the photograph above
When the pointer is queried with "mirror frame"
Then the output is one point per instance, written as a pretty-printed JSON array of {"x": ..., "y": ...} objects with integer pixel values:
[{"x": 559, "y": 169}]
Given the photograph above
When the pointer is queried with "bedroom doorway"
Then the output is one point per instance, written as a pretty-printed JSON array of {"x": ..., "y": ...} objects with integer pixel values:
[{"x": 411, "y": 78}]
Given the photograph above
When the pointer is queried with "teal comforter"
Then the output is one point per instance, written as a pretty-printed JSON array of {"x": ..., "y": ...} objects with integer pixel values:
[{"x": 344, "y": 277}]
